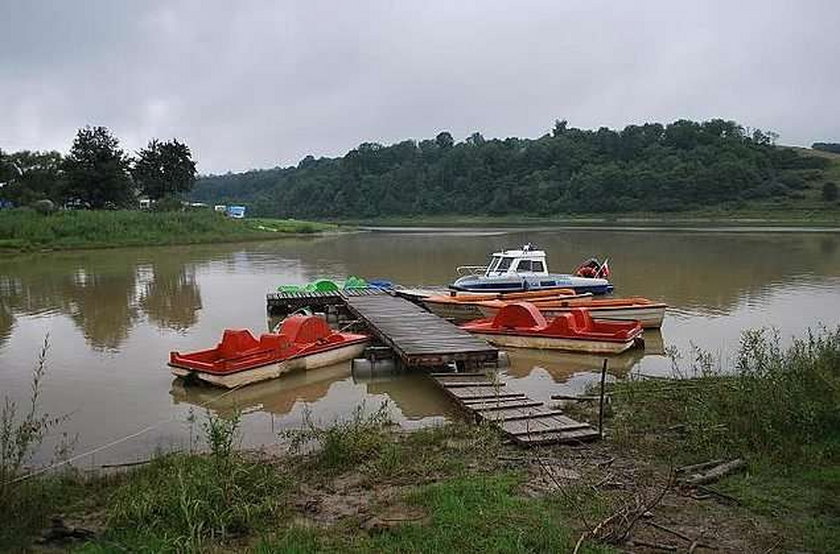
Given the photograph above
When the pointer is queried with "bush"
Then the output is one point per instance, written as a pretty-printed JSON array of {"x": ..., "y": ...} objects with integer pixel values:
[{"x": 776, "y": 403}]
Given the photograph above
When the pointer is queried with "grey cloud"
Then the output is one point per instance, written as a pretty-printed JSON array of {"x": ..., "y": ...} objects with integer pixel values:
[{"x": 261, "y": 83}]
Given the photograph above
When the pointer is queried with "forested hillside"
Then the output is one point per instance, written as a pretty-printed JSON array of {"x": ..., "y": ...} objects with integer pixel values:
[{"x": 653, "y": 167}]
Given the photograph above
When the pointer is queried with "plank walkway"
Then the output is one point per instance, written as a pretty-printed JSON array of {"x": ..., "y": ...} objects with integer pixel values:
[
  {"x": 526, "y": 421},
  {"x": 419, "y": 338},
  {"x": 282, "y": 304}
]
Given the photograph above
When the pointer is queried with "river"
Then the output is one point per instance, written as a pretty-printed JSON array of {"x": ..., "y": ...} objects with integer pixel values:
[{"x": 112, "y": 316}]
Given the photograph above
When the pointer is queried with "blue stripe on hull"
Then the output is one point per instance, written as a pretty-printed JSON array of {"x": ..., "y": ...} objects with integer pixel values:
[{"x": 517, "y": 287}]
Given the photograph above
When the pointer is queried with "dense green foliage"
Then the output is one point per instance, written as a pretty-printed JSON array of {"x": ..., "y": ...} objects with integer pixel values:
[
  {"x": 683, "y": 165},
  {"x": 30, "y": 176},
  {"x": 26, "y": 230},
  {"x": 96, "y": 171},
  {"x": 778, "y": 403},
  {"x": 827, "y": 147},
  {"x": 96, "y": 174},
  {"x": 164, "y": 168}
]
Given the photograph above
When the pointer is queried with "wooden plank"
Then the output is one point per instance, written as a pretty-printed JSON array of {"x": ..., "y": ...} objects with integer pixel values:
[
  {"x": 535, "y": 427},
  {"x": 572, "y": 436},
  {"x": 513, "y": 414},
  {"x": 525, "y": 420},
  {"x": 488, "y": 395},
  {"x": 450, "y": 375},
  {"x": 457, "y": 384},
  {"x": 483, "y": 405}
]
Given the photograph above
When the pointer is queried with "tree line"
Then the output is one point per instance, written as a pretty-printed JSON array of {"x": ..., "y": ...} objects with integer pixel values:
[
  {"x": 833, "y": 147},
  {"x": 97, "y": 173},
  {"x": 651, "y": 167}
]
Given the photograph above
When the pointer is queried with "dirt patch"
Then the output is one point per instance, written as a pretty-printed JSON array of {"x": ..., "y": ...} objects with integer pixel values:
[{"x": 677, "y": 519}]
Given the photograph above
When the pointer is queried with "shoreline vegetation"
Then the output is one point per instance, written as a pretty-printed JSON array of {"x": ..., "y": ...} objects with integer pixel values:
[
  {"x": 361, "y": 485},
  {"x": 25, "y": 231},
  {"x": 709, "y": 168}
]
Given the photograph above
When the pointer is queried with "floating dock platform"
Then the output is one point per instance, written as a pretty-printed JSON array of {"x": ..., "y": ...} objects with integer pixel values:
[
  {"x": 281, "y": 304},
  {"x": 526, "y": 421},
  {"x": 418, "y": 337}
]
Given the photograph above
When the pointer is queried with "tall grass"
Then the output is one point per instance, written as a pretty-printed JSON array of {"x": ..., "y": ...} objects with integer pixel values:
[
  {"x": 344, "y": 443},
  {"x": 23, "y": 229},
  {"x": 181, "y": 502},
  {"x": 22, "y": 500},
  {"x": 783, "y": 404}
]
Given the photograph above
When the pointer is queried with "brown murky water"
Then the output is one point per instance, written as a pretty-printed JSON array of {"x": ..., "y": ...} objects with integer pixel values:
[{"x": 112, "y": 316}]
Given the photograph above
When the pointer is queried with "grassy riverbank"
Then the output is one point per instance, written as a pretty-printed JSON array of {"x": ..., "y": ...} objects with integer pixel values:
[
  {"x": 363, "y": 486},
  {"x": 27, "y": 231}
]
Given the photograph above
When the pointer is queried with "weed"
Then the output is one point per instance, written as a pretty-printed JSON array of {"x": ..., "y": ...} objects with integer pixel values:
[
  {"x": 777, "y": 403},
  {"x": 180, "y": 502},
  {"x": 22, "y": 500},
  {"x": 347, "y": 442}
]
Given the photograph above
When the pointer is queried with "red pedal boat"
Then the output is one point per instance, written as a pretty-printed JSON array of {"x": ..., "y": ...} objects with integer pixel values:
[
  {"x": 303, "y": 342},
  {"x": 522, "y": 325}
]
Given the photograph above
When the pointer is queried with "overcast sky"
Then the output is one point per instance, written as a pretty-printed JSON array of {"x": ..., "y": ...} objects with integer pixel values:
[{"x": 255, "y": 84}]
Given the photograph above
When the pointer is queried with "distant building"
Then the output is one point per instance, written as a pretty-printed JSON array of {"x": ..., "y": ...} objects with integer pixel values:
[
  {"x": 145, "y": 203},
  {"x": 221, "y": 208},
  {"x": 236, "y": 212}
]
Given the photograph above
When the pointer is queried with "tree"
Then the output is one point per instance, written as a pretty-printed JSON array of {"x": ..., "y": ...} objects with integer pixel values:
[
  {"x": 28, "y": 177},
  {"x": 164, "y": 169},
  {"x": 829, "y": 192},
  {"x": 96, "y": 171},
  {"x": 444, "y": 140}
]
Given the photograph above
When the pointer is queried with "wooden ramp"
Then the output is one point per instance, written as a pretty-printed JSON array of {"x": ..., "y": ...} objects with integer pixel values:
[
  {"x": 419, "y": 338},
  {"x": 526, "y": 421}
]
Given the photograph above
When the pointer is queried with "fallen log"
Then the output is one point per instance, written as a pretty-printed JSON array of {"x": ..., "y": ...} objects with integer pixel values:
[
  {"x": 698, "y": 467},
  {"x": 715, "y": 473}
]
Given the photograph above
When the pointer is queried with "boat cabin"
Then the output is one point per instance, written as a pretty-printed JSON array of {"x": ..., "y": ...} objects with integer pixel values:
[{"x": 517, "y": 262}]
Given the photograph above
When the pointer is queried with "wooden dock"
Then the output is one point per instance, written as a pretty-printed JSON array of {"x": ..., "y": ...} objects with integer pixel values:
[
  {"x": 281, "y": 304},
  {"x": 419, "y": 338},
  {"x": 526, "y": 421}
]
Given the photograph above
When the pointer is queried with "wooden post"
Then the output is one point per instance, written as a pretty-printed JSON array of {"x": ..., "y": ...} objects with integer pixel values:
[{"x": 601, "y": 401}]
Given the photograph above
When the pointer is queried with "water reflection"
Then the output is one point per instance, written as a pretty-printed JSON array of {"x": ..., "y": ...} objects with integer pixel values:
[
  {"x": 562, "y": 365},
  {"x": 172, "y": 299},
  {"x": 278, "y": 396},
  {"x": 413, "y": 394}
]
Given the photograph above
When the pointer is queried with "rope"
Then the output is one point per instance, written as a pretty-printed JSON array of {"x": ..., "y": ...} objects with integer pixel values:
[{"x": 112, "y": 443}]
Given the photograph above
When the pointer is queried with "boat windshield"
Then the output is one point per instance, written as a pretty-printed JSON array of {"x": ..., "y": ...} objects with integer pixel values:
[
  {"x": 504, "y": 264},
  {"x": 494, "y": 261}
]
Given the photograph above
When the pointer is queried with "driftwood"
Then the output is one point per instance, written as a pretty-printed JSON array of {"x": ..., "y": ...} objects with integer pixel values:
[
  {"x": 715, "y": 473},
  {"x": 698, "y": 467},
  {"x": 653, "y": 545}
]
